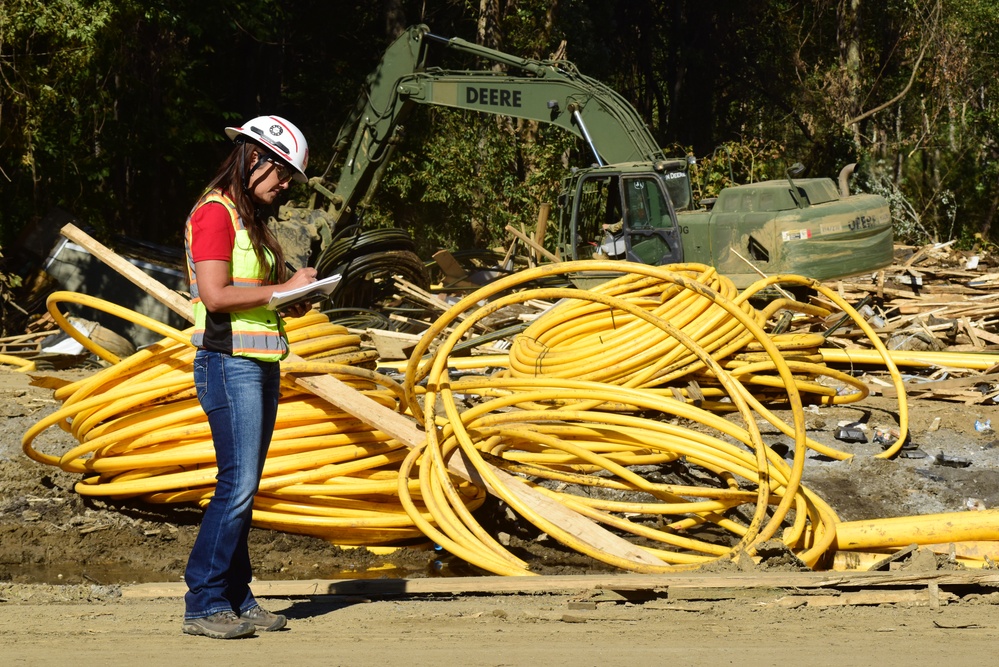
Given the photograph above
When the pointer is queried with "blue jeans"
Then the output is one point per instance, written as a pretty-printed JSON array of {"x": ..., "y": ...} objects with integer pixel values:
[{"x": 240, "y": 397}]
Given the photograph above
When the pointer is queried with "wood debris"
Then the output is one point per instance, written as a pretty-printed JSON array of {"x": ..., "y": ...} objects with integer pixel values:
[{"x": 928, "y": 292}]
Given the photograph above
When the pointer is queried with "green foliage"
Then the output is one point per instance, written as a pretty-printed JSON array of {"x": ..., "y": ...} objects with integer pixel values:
[
  {"x": 470, "y": 187},
  {"x": 8, "y": 283},
  {"x": 737, "y": 162},
  {"x": 115, "y": 110},
  {"x": 908, "y": 223},
  {"x": 50, "y": 97}
]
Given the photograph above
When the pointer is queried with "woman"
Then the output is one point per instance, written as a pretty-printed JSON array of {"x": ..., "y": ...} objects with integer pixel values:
[{"x": 234, "y": 264}]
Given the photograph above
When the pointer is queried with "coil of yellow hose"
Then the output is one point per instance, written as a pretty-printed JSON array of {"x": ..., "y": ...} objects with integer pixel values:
[
  {"x": 23, "y": 365},
  {"x": 142, "y": 434}
]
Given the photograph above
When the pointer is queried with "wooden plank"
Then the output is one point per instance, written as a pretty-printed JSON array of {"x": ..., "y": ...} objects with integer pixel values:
[
  {"x": 530, "y": 243},
  {"x": 29, "y": 338},
  {"x": 454, "y": 274},
  {"x": 676, "y": 582},
  {"x": 970, "y": 330},
  {"x": 986, "y": 336},
  {"x": 421, "y": 295},
  {"x": 915, "y": 598},
  {"x": 952, "y": 385},
  {"x": 898, "y": 322},
  {"x": 137, "y": 276},
  {"x": 916, "y": 256},
  {"x": 25, "y": 349},
  {"x": 506, "y": 264},
  {"x": 930, "y": 290},
  {"x": 392, "y": 344},
  {"x": 428, "y": 299},
  {"x": 428, "y": 586},
  {"x": 531, "y": 262},
  {"x": 541, "y": 228},
  {"x": 405, "y": 431}
]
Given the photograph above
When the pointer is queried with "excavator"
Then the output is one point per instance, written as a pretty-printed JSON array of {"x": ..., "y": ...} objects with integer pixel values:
[{"x": 634, "y": 202}]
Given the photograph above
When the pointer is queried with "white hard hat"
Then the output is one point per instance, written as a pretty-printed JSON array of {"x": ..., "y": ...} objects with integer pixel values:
[{"x": 279, "y": 136}]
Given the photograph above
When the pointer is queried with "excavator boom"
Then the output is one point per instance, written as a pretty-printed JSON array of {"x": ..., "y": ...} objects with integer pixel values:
[{"x": 551, "y": 92}]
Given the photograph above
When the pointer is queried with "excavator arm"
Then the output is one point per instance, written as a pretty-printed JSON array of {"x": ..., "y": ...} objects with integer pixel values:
[{"x": 546, "y": 91}]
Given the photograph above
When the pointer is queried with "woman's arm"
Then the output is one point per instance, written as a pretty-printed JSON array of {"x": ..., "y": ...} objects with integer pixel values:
[{"x": 220, "y": 296}]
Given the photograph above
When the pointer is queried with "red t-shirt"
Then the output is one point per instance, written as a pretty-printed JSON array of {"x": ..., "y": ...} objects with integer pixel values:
[
  {"x": 212, "y": 238},
  {"x": 212, "y": 233}
]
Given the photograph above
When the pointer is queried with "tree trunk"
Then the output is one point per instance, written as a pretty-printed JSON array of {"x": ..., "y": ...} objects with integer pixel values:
[{"x": 848, "y": 31}]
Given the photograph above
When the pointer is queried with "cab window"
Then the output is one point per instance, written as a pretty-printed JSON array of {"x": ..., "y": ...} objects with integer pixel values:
[{"x": 646, "y": 205}]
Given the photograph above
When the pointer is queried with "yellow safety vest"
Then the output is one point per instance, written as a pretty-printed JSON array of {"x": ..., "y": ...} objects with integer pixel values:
[{"x": 255, "y": 333}]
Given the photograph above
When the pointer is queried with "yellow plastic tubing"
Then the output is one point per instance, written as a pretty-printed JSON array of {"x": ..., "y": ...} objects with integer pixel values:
[
  {"x": 23, "y": 365},
  {"x": 612, "y": 347},
  {"x": 557, "y": 415},
  {"x": 594, "y": 389},
  {"x": 928, "y": 529},
  {"x": 142, "y": 433}
]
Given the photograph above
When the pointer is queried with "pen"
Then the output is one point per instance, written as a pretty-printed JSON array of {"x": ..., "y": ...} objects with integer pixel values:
[{"x": 291, "y": 267}]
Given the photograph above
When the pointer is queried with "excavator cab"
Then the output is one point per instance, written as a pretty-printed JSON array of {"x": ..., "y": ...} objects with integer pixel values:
[{"x": 622, "y": 215}]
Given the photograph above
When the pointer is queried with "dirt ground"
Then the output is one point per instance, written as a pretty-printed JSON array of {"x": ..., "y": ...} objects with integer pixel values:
[
  {"x": 91, "y": 629},
  {"x": 65, "y": 560}
]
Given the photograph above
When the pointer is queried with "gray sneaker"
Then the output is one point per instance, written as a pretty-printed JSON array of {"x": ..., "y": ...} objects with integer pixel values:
[
  {"x": 263, "y": 619},
  {"x": 222, "y": 625}
]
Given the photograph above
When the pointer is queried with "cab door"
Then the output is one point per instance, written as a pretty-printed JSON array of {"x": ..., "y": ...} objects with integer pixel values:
[{"x": 650, "y": 227}]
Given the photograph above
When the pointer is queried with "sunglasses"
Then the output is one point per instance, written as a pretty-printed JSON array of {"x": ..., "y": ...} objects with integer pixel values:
[{"x": 284, "y": 173}]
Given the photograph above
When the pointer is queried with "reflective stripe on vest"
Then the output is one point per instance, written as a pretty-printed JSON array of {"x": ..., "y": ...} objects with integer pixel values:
[{"x": 256, "y": 332}]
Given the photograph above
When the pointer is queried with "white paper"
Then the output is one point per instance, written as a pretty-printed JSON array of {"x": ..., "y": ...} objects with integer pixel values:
[{"x": 309, "y": 292}]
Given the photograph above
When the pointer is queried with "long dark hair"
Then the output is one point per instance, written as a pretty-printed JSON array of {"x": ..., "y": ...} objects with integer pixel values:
[{"x": 230, "y": 178}]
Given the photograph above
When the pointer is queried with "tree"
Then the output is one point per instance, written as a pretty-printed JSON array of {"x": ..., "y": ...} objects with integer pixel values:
[{"x": 52, "y": 104}]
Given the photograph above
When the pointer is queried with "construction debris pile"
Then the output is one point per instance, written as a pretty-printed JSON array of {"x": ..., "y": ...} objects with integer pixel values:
[
  {"x": 566, "y": 424},
  {"x": 933, "y": 300}
]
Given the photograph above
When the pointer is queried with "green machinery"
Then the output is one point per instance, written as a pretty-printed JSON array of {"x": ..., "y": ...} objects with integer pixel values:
[{"x": 634, "y": 203}]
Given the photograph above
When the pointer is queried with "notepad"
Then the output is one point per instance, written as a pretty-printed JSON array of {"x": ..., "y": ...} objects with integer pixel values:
[{"x": 310, "y": 292}]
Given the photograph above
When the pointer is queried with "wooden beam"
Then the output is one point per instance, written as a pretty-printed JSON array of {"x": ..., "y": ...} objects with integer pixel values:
[
  {"x": 405, "y": 431},
  {"x": 916, "y": 598},
  {"x": 954, "y": 384},
  {"x": 530, "y": 243},
  {"x": 137, "y": 276},
  {"x": 392, "y": 344},
  {"x": 542, "y": 227},
  {"x": 454, "y": 274},
  {"x": 509, "y": 254},
  {"x": 673, "y": 583}
]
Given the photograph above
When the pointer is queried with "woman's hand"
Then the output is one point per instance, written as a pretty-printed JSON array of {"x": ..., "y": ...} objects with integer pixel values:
[
  {"x": 297, "y": 310},
  {"x": 300, "y": 278}
]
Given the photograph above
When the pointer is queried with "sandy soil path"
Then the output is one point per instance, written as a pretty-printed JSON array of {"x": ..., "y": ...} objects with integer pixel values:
[{"x": 43, "y": 627}]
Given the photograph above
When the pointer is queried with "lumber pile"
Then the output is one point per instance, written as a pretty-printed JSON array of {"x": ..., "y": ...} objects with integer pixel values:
[{"x": 932, "y": 298}]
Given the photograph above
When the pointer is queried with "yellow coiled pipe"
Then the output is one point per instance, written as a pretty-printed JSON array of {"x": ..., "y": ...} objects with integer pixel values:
[{"x": 142, "y": 433}]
